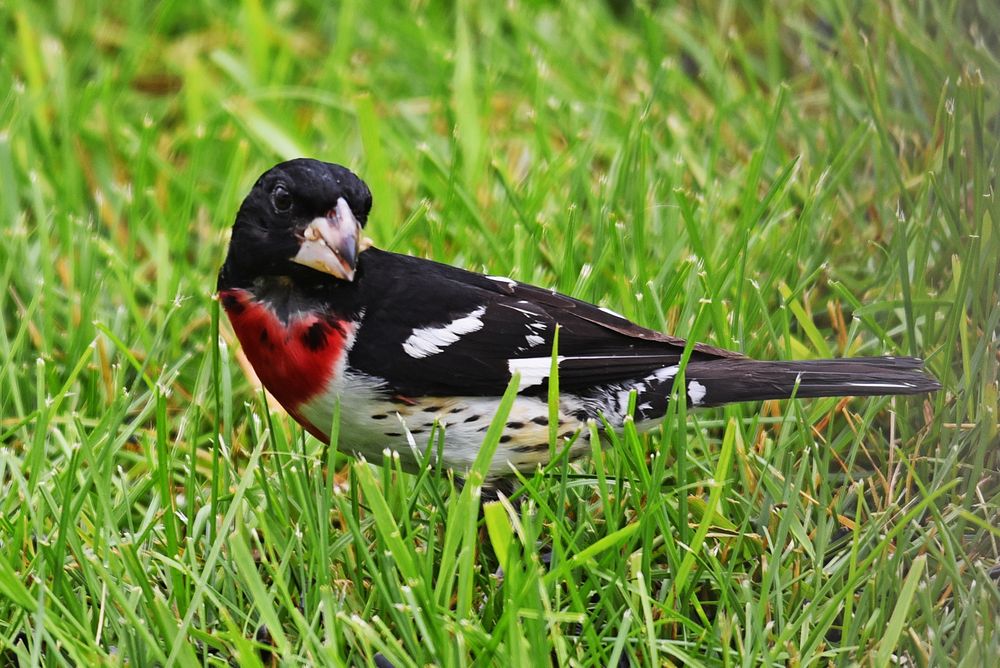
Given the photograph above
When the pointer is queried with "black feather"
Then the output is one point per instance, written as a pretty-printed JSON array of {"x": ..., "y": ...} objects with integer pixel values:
[{"x": 728, "y": 381}]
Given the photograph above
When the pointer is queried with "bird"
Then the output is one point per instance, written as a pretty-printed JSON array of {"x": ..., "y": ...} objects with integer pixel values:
[{"x": 409, "y": 346}]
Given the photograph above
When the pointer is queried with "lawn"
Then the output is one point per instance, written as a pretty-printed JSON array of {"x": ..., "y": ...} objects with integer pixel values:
[{"x": 811, "y": 179}]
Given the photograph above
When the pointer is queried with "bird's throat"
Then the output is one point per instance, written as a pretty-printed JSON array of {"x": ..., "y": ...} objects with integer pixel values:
[{"x": 295, "y": 358}]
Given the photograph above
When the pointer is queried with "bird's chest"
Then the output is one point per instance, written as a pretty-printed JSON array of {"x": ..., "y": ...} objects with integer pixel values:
[{"x": 295, "y": 357}]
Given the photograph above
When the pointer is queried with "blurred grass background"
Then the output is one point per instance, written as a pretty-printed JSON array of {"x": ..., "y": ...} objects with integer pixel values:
[{"x": 790, "y": 179}]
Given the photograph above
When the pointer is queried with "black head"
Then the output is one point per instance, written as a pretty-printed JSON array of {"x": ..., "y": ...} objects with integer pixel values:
[{"x": 301, "y": 213}]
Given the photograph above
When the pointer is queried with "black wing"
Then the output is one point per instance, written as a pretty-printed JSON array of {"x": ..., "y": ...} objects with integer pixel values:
[{"x": 431, "y": 329}]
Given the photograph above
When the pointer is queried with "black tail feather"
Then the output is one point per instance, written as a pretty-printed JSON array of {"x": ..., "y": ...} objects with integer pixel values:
[{"x": 727, "y": 381}]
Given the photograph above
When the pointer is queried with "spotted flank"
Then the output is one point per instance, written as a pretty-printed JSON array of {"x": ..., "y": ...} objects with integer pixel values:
[{"x": 370, "y": 425}]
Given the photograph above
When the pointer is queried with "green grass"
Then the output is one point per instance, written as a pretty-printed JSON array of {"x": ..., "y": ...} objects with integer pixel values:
[{"x": 805, "y": 180}]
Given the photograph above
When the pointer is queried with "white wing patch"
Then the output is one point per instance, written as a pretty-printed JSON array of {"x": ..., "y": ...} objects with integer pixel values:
[
  {"x": 696, "y": 391},
  {"x": 664, "y": 374},
  {"x": 889, "y": 386},
  {"x": 534, "y": 336},
  {"x": 523, "y": 311},
  {"x": 503, "y": 279},
  {"x": 533, "y": 370},
  {"x": 428, "y": 341}
]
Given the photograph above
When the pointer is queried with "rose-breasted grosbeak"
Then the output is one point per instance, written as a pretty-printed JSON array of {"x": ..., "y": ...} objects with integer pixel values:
[{"x": 404, "y": 343}]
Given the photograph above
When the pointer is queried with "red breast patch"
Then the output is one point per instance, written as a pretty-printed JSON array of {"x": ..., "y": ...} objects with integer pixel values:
[{"x": 294, "y": 361}]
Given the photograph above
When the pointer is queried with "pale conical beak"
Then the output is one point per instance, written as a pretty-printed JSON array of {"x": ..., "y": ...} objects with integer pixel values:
[{"x": 331, "y": 243}]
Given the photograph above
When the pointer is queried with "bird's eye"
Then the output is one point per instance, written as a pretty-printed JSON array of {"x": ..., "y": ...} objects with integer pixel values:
[{"x": 281, "y": 199}]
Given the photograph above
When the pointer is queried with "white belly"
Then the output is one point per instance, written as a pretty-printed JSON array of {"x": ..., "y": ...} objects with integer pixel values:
[{"x": 370, "y": 424}]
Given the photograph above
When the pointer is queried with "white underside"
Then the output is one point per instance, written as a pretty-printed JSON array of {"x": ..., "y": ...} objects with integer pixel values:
[{"x": 407, "y": 428}]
